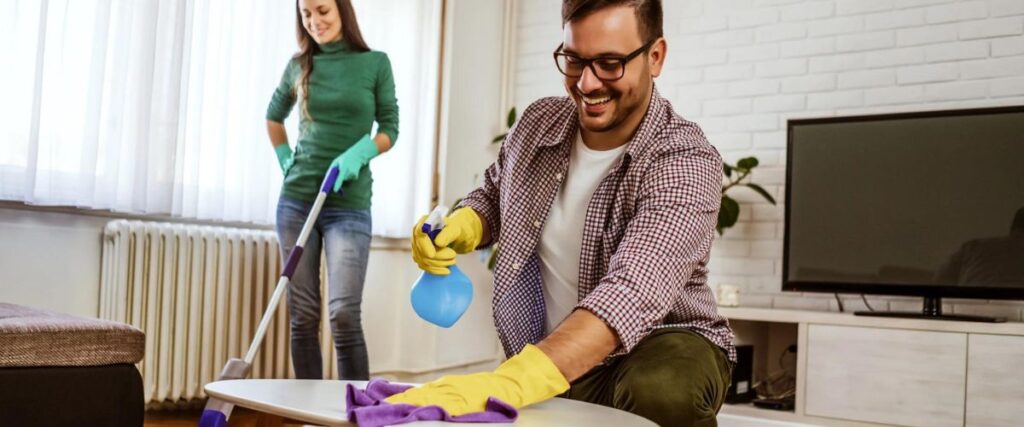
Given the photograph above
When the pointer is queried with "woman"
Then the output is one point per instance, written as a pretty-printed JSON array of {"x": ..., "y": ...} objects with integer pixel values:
[{"x": 341, "y": 87}]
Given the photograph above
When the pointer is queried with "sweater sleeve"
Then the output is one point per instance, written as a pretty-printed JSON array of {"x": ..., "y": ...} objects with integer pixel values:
[
  {"x": 284, "y": 97},
  {"x": 387, "y": 104}
]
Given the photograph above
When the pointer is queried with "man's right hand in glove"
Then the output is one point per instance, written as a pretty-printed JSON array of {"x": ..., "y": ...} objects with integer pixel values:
[{"x": 462, "y": 233}]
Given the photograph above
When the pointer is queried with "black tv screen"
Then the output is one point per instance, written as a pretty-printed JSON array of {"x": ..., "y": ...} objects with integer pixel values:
[{"x": 927, "y": 204}]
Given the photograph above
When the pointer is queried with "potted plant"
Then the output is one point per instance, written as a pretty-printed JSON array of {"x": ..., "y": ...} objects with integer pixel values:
[{"x": 737, "y": 175}]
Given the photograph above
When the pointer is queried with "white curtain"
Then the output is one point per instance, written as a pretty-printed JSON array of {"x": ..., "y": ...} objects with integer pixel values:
[
  {"x": 409, "y": 31},
  {"x": 157, "y": 106}
]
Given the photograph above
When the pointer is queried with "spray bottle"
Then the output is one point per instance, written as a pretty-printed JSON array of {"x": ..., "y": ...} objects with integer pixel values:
[{"x": 441, "y": 300}]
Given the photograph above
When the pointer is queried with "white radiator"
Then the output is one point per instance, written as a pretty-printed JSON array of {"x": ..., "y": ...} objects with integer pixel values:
[{"x": 198, "y": 293}]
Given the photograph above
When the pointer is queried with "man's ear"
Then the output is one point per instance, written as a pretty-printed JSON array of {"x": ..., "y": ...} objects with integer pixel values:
[{"x": 656, "y": 56}]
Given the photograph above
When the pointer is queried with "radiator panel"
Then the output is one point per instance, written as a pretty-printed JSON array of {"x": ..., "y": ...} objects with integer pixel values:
[{"x": 198, "y": 293}]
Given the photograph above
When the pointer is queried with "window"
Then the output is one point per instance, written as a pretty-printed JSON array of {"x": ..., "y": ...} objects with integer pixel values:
[{"x": 157, "y": 107}]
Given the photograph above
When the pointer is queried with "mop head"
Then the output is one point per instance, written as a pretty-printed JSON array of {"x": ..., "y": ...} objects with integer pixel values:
[{"x": 367, "y": 408}]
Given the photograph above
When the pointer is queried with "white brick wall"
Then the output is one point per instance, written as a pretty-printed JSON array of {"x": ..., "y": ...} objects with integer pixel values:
[{"x": 740, "y": 68}]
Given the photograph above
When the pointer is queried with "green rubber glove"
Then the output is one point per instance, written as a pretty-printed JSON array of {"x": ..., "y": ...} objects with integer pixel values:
[
  {"x": 352, "y": 160},
  {"x": 284, "y": 157}
]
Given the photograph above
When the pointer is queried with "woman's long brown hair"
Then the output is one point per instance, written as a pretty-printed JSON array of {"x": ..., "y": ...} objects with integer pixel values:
[{"x": 308, "y": 47}]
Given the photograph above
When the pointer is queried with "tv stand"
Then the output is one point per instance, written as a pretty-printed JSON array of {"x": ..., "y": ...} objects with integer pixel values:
[
  {"x": 860, "y": 371},
  {"x": 932, "y": 310}
]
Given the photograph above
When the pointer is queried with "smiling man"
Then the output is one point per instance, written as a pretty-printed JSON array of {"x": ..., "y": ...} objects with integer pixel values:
[{"x": 604, "y": 204}]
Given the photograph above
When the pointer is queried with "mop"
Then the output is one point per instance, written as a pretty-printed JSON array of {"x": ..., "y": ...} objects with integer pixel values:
[
  {"x": 440, "y": 300},
  {"x": 217, "y": 411}
]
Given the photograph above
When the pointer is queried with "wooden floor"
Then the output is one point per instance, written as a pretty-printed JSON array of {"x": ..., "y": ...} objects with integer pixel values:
[{"x": 240, "y": 417}]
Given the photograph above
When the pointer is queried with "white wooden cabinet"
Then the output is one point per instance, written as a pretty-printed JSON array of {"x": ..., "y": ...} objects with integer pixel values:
[{"x": 871, "y": 371}]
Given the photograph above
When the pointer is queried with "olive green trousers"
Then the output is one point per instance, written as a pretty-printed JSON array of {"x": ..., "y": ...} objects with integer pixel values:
[{"x": 674, "y": 377}]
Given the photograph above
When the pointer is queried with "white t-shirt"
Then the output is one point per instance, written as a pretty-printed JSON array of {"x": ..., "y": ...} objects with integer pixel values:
[{"x": 562, "y": 237}]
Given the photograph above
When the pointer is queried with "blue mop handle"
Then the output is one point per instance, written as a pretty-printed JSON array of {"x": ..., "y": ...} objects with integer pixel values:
[
  {"x": 217, "y": 411},
  {"x": 296, "y": 253},
  {"x": 332, "y": 175}
]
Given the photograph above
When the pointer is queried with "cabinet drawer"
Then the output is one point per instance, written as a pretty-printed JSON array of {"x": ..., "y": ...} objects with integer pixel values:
[
  {"x": 890, "y": 376},
  {"x": 995, "y": 381}
]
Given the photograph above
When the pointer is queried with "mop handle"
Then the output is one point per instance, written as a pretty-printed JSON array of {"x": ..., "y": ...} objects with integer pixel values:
[{"x": 291, "y": 264}]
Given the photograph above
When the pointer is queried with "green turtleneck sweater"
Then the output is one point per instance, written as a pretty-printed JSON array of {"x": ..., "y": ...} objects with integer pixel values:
[{"x": 348, "y": 91}]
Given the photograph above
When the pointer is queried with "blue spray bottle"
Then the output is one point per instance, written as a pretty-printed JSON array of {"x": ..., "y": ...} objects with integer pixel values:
[{"x": 441, "y": 300}]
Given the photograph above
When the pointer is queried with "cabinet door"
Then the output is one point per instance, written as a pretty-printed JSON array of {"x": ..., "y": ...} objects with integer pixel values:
[
  {"x": 890, "y": 376},
  {"x": 995, "y": 381}
]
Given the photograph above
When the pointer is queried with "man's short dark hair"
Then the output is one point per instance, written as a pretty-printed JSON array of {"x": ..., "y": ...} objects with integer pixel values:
[
  {"x": 648, "y": 13},
  {"x": 1018, "y": 221}
]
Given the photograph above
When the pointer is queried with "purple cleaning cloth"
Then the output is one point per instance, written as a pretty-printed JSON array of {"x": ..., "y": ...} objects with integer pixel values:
[{"x": 367, "y": 408}]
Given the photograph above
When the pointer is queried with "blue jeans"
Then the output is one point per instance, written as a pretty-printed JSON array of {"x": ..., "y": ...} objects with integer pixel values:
[{"x": 344, "y": 234}]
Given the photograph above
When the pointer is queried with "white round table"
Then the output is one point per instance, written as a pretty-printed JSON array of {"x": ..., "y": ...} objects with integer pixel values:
[{"x": 323, "y": 402}]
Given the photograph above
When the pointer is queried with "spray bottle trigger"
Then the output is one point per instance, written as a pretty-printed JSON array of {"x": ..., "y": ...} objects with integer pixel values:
[
  {"x": 431, "y": 231},
  {"x": 435, "y": 221}
]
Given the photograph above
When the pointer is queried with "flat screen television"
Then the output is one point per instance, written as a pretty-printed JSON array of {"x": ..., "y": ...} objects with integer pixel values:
[{"x": 926, "y": 204}]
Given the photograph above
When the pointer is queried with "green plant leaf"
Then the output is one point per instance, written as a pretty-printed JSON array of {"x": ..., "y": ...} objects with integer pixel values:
[
  {"x": 499, "y": 138},
  {"x": 747, "y": 163},
  {"x": 760, "y": 190},
  {"x": 728, "y": 214},
  {"x": 727, "y": 169},
  {"x": 511, "y": 117}
]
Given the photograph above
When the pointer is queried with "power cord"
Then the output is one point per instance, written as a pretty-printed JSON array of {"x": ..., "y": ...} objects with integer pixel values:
[
  {"x": 842, "y": 309},
  {"x": 780, "y": 384},
  {"x": 866, "y": 303}
]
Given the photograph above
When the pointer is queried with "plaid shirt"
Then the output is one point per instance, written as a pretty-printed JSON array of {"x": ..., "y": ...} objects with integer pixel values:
[{"x": 646, "y": 238}]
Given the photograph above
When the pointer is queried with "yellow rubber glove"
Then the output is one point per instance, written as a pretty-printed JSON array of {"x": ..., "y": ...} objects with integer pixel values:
[
  {"x": 527, "y": 378},
  {"x": 462, "y": 233},
  {"x": 428, "y": 257}
]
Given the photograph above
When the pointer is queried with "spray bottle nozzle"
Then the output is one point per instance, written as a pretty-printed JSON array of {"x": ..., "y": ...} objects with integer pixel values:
[{"x": 435, "y": 221}]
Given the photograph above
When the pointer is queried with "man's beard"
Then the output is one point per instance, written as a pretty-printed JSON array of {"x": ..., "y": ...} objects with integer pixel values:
[{"x": 624, "y": 107}]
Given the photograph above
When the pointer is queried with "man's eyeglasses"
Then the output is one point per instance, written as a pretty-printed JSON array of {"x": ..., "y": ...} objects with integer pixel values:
[{"x": 606, "y": 68}]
